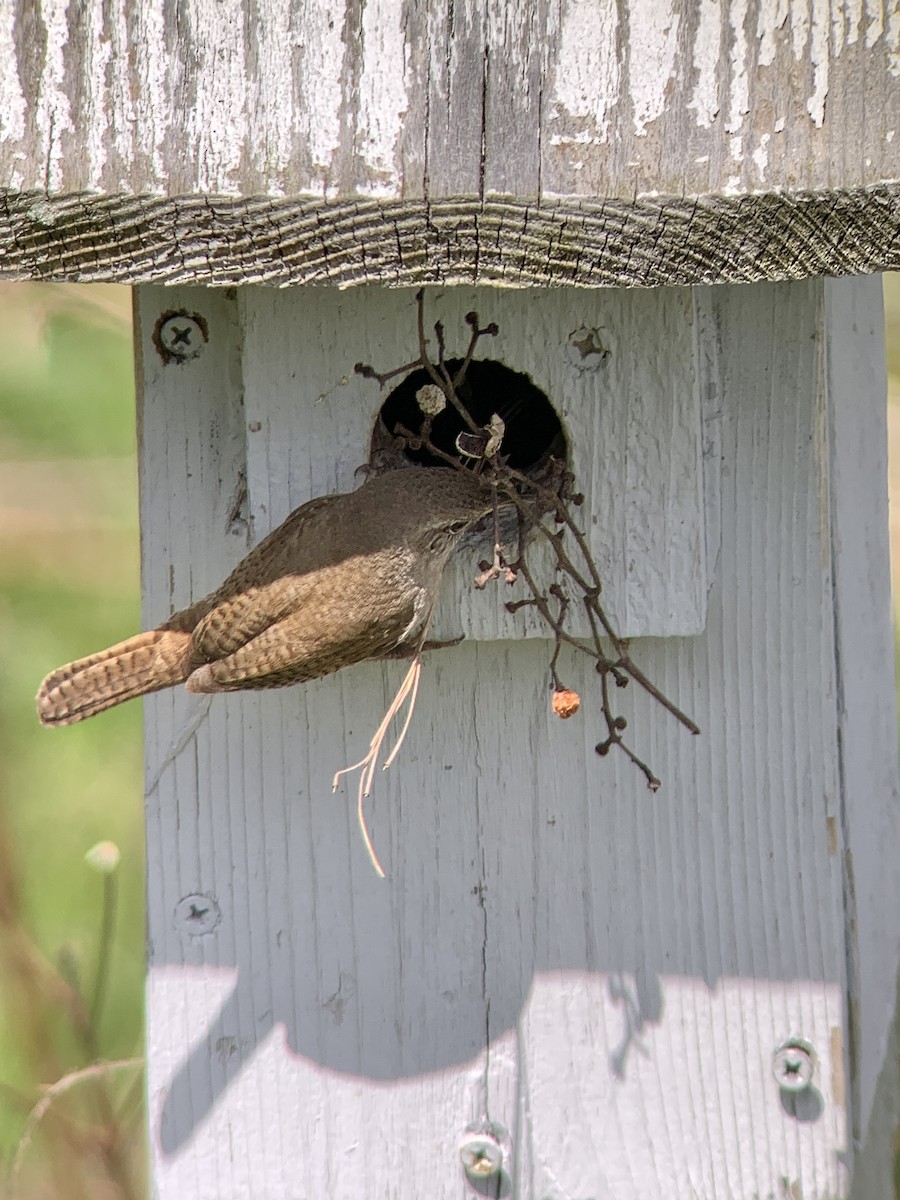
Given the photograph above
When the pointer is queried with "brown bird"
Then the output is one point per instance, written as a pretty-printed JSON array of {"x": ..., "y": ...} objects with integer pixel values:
[{"x": 343, "y": 579}]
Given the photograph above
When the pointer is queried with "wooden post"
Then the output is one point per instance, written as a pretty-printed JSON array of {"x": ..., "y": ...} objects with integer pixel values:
[{"x": 618, "y": 993}]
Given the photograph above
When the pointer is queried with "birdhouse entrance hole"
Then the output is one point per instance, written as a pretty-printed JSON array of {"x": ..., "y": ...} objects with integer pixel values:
[{"x": 533, "y": 430}]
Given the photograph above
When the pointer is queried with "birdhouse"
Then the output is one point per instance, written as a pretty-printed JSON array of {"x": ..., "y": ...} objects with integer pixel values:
[{"x": 568, "y": 984}]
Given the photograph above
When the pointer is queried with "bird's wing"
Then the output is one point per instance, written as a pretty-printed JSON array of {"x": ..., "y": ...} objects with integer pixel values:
[
  {"x": 306, "y": 644},
  {"x": 241, "y": 618}
]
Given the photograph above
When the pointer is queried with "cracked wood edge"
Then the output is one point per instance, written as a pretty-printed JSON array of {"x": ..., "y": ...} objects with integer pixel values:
[{"x": 651, "y": 242}]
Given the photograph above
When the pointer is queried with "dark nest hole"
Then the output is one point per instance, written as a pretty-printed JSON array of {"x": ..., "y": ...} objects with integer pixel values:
[{"x": 533, "y": 434}]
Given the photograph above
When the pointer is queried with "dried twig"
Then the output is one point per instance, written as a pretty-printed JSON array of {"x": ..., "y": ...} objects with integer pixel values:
[
  {"x": 97, "y": 1071},
  {"x": 535, "y": 499}
]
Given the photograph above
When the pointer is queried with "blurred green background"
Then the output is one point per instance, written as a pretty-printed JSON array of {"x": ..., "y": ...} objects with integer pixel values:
[{"x": 69, "y": 584}]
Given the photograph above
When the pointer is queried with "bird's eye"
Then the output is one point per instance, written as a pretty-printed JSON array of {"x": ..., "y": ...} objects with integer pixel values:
[{"x": 446, "y": 535}]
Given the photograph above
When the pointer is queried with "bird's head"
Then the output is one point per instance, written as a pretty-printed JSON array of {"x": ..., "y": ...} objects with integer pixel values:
[{"x": 448, "y": 503}]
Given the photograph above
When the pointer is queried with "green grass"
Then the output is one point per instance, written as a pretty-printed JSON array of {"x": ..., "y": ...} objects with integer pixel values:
[
  {"x": 68, "y": 585},
  {"x": 81, "y": 785},
  {"x": 44, "y": 398}
]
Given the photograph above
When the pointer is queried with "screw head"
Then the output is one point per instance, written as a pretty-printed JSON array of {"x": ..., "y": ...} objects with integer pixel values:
[
  {"x": 585, "y": 350},
  {"x": 794, "y": 1064},
  {"x": 197, "y": 914},
  {"x": 480, "y": 1155},
  {"x": 180, "y": 335}
]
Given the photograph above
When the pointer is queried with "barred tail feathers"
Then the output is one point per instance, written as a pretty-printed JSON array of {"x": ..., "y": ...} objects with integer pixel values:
[{"x": 142, "y": 664}]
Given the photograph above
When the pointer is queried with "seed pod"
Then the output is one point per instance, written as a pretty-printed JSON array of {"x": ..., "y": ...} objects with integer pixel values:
[
  {"x": 566, "y": 703},
  {"x": 431, "y": 399}
]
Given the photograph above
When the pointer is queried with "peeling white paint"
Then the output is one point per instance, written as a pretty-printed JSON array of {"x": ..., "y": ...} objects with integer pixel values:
[
  {"x": 875, "y": 26},
  {"x": 705, "y": 97},
  {"x": 575, "y": 139},
  {"x": 837, "y": 26},
  {"x": 216, "y": 124},
  {"x": 587, "y": 80},
  {"x": 96, "y": 117},
  {"x": 319, "y": 79},
  {"x": 206, "y": 98},
  {"x": 271, "y": 85},
  {"x": 739, "y": 104},
  {"x": 653, "y": 44},
  {"x": 121, "y": 95},
  {"x": 12, "y": 100},
  {"x": 800, "y": 28},
  {"x": 54, "y": 115},
  {"x": 151, "y": 65},
  {"x": 854, "y": 11},
  {"x": 846, "y": 24},
  {"x": 893, "y": 38},
  {"x": 770, "y": 21},
  {"x": 815, "y": 105},
  {"x": 761, "y": 155},
  {"x": 383, "y": 94}
]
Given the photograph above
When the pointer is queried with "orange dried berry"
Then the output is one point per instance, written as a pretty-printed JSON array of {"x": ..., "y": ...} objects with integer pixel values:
[{"x": 566, "y": 703}]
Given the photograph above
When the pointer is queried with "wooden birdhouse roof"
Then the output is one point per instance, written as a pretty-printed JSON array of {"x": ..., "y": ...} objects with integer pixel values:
[{"x": 589, "y": 144}]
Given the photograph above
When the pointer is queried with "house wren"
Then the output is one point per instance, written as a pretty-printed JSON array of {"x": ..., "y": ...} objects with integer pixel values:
[{"x": 343, "y": 579}]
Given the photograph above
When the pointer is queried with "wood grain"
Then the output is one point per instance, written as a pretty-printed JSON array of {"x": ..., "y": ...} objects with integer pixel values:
[
  {"x": 604, "y": 972},
  {"x": 631, "y": 415},
  {"x": 867, "y": 698},
  {"x": 572, "y": 242},
  {"x": 530, "y": 100},
  {"x": 565, "y": 141}
]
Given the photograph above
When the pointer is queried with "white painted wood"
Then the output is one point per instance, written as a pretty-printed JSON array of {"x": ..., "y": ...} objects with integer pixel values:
[
  {"x": 856, "y": 387},
  {"x": 632, "y": 420},
  {"x": 603, "y": 971},
  {"x": 503, "y": 97},
  {"x": 542, "y": 143}
]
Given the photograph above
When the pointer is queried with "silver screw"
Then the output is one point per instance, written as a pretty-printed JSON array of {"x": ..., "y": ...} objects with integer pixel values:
[
  {"x": 480, "y": 1154},
  {"x": 794, "y": 1064},
  {"x": 197, "y": 914},
  {"x": 182, "y": 335}
]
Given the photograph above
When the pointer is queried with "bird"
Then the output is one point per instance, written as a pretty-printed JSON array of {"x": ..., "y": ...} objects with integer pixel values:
[{"x": 345, "y": 578}]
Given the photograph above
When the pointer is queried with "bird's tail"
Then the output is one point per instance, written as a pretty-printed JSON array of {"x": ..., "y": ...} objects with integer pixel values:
[{"x": 139, "y": 665}]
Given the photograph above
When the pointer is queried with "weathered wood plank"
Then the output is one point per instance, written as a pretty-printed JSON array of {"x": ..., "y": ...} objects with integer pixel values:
[
  {"x": 575, "y": 98},
  {"x": 192, "y": 460},
  {"x": 605, "y": 973},
  {"x": 652, "y": 242},
  {"x": 631, "y": 414},
  {"x": 492, "y": 140},
  {"x": 856, "y": 387}
]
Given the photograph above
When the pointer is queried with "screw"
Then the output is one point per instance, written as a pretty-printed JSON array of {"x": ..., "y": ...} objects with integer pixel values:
[
  {"x": 793, "y": 1065},
  {"x": 585, "y": 350},
  {"x": 180, "y": 335},
  {"x": 480, "y": 1154},
  {"x": 197, "y": 914}
]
